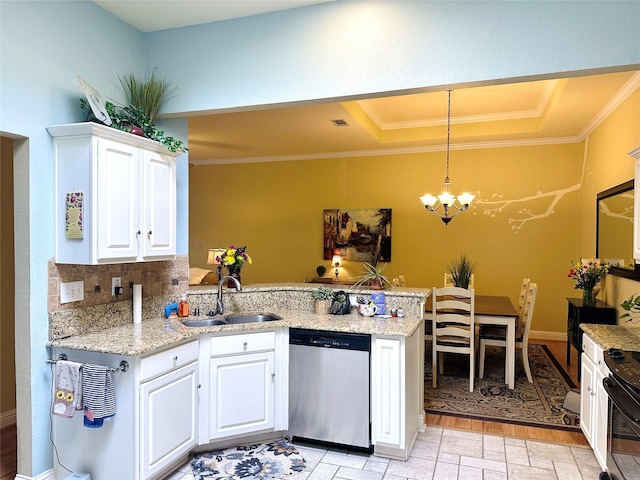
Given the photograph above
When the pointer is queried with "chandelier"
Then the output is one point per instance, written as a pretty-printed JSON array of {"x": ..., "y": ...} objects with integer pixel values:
[{"x": 446, "y": 200}]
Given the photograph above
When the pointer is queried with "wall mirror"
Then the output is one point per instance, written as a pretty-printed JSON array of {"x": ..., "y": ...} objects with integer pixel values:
[{"x": 614, "y": 230}]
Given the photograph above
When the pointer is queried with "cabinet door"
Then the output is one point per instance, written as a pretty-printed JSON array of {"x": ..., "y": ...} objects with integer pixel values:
[
  {"x": 600, "y": 419},
  {"x": 117, "y": 202},
  {"x": 242, "y": 394},
  {"x": 587, "y": 396},
  {"x": 387, "y": 392},
  {"x": 168, "y": 418},
  {"x": 159, "y": 206}
]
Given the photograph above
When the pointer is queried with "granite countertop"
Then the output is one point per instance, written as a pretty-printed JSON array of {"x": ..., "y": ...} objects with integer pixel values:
[
  {"x": 155, "y": 334},
  {"x": 613, "y": 336}
]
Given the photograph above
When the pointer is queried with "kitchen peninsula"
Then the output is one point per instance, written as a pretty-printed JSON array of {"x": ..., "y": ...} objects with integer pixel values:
[{"x": 168, "y": 402}]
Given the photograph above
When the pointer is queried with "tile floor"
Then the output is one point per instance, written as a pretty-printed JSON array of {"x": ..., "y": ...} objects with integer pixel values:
[{"x": 445, "y": 454}]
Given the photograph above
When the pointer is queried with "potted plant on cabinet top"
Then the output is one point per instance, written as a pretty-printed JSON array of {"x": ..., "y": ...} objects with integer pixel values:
[
  {"x": 461, "y": 270},
  {"x": 322, "y": 297},
  {"x": 144, "y": 97},
  {"x": 373, "y": 277}
]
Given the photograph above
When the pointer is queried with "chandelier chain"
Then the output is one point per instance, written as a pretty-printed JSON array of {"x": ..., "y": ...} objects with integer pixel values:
[{"x": 448, "y": 133}]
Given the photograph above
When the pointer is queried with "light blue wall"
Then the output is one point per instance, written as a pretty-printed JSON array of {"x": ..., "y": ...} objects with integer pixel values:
[
  {"x": 344, "y": 48},
  {"x": 44, "y": 46},
  {"x": 332, "y": 50}
]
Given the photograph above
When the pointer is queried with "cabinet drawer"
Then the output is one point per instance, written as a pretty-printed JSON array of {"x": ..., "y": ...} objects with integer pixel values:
[
  {"x": 243, "y": 343},
  {"x": 168, "y": 360},
  {"x": 589, "y": 347}
]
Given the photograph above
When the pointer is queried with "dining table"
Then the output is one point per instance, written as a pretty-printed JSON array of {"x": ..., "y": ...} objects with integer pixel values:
[{"x": 495, "y": 310}]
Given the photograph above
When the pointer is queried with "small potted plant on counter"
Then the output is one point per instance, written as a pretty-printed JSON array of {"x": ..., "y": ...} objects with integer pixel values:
[
  {"x": 322, "y": 297},
  {"x": 373, "y": 277}
]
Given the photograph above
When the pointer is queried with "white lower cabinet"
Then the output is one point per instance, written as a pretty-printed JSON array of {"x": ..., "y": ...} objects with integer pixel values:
[
  {"x": 156, "y": 420},
  {"x": 247, "y": 384},
  {"x": 242, "y": 394},
  {"x": 397, "y": 393},
  {"x": 594, "y": 402},
  {"x": 169, "y": 411}
]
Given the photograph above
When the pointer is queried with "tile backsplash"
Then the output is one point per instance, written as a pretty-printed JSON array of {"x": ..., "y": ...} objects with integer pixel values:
[
  {"x": 162, "y": 283},
  {"x": 157, "y": 279}
]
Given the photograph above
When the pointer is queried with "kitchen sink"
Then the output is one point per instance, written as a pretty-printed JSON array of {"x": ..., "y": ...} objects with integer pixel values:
[
  {"x": 208, "y": 322},
  {"x": 258, "y": 317},
  {"x": 232, "y": 320}
]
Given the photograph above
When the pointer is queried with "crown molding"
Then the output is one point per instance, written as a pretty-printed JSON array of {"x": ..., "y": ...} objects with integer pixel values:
[
  {"x": 622, "y": 94},
  {"x": 390, "y": 151}
]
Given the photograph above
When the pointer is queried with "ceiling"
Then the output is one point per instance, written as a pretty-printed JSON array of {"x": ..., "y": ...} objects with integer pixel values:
[
  {"x": 147, "y": 17},
  {"x": 545, "y": 111}
]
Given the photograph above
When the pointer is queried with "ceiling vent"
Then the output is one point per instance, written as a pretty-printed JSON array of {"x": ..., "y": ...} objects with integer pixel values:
[{"x": 340, "y": 122}]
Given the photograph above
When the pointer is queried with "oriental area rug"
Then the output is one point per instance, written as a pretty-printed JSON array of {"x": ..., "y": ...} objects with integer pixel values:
[
  {"x": 265, "y": 461},
  {"x": 537, "y": 404}
]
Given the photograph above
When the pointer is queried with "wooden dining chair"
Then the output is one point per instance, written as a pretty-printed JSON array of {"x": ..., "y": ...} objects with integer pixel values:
[
  {"x": 453, "y": 331},
  {"x": 497, "y": 336},
  {"x": 523, "y": 294},
  {"x": 448, "y": 281}
]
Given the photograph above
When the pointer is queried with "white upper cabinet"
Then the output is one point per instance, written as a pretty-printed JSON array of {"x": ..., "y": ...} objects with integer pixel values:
[{"x": 115, "y": 196}]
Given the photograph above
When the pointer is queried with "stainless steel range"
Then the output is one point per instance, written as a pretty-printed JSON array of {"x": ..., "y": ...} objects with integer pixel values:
[{"x": 623, "y": 388}]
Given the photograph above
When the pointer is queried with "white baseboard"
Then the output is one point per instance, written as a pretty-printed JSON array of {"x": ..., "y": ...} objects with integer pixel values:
[
  {"x": 8, "y": 418},
  {"x": 47, "y": 475},
  {"x": 543, "y": 335}
]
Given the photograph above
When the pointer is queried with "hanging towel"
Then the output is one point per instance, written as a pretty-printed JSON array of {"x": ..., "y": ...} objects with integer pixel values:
[
  {"x": 98, "y": 395},
  {"x": 67, "y": 388}
]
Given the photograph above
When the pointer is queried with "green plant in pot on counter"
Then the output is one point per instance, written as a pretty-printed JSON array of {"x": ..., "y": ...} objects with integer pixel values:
[
  {"x": 461, "y": 270},
  {"x": 373, "y": 277},
  {"x": 322, "y": 297}
]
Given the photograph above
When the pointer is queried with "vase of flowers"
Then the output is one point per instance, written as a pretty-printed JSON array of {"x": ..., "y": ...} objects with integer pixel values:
[
  {"x": 587, "y": 275},
  {"x": 233, "y": 259}
]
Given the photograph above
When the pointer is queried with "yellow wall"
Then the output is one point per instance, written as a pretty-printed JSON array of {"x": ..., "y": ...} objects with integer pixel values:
[
  {"x": 7, "y": 317},
  {"x": 276, "y": 210},
  {"x": 534, "y": 211},
  {"x": 608, "y": 164}
]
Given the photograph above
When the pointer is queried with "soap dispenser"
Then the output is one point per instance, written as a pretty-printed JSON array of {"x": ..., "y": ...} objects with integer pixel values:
[{"x": 183, "y": 306}]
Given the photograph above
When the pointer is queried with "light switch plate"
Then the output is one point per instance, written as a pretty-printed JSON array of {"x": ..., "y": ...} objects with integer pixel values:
[{"x": 72, "y": 291}]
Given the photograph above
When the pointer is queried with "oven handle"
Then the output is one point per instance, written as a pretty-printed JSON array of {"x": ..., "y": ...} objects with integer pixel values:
[{"x": 622, "y": 400}]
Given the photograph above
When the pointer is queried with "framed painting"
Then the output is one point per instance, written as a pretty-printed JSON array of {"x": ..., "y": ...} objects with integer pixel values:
[{"x": 360, "y": 235}]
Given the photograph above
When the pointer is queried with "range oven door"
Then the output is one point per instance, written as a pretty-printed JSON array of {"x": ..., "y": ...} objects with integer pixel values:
[{"x": 623, "y": 443}]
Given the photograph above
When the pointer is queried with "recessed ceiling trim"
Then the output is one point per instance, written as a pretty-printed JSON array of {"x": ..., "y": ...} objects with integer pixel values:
[
  {"x": 390, "y": 151},
  {"x": 626, "y": 90},
  {"x": 490, "y": 117}
]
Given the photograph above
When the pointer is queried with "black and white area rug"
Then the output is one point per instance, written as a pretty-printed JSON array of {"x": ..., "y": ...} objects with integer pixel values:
[{"x": 266, "y": 461}]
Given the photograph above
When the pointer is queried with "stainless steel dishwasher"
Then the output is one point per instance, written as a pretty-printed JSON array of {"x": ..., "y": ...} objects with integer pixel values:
[{"x": 329, "y": 387}]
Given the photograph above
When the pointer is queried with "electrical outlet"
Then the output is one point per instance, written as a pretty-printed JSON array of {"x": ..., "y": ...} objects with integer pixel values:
[
  {"x": 72, "y": 291},
  {"x": 116, "y": 282}
]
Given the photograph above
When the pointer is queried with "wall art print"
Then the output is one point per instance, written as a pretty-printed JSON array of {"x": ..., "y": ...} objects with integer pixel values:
[{"x": 360, "y": 235}]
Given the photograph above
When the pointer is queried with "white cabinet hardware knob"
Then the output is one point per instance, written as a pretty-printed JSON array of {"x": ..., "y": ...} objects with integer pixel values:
[{"x": 175, "y": 359}]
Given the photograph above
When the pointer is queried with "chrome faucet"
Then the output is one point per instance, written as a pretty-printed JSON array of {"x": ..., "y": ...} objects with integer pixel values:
[{"x": 219, "y": 307}]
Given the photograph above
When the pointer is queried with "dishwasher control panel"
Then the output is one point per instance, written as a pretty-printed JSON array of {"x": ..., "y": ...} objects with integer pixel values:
[{"x": 321, "y": 338}]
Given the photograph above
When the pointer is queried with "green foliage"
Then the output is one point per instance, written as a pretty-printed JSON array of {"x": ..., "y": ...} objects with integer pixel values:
[
  {"x": 146, "y": 96},
  {"x": 123, "y": 118},
  {"x": 461, "y": 270},
  {"x": 321, "y": 270},
  {"x": 632, "y": 308},
  {"x": 322, "y": 293},
  {"x": 372, "y": 272}
]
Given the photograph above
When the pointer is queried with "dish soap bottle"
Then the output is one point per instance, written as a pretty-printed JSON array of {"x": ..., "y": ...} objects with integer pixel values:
[{"x": 183, "y": 306}]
